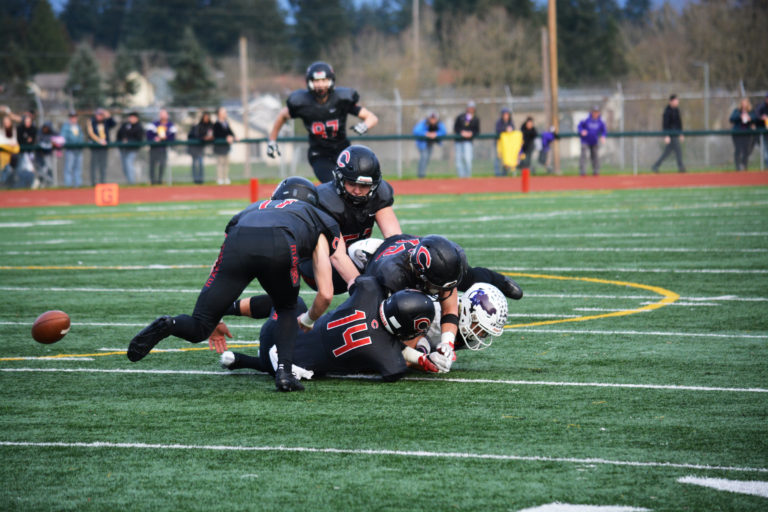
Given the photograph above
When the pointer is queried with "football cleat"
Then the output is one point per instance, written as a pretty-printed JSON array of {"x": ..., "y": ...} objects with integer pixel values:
[
  {"x": 286, "y": 381},
  {"x": 227, "y": 360},
  {"x": 511, "y": 289},
  {"x": 148, "y": 337}
]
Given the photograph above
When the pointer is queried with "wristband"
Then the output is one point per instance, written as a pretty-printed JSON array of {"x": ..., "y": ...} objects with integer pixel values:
[
  {"x": 450, "y": 318},
  {"x": 306, "y": 320},
  {"x": 448, "y": 337}
]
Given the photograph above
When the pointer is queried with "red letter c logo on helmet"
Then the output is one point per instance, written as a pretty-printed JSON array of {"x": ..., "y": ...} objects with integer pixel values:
[
  {"x": 423, "y": 257},
  {"x": 343, "y": 159},
  {"x": 422, "y": 324}
]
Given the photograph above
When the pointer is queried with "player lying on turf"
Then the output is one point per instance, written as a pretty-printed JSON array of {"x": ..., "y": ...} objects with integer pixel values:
[
  {"x": 482, "y": 314},
  {"x": 265, "y": 242},
  {"x": 363, "y": 334}
]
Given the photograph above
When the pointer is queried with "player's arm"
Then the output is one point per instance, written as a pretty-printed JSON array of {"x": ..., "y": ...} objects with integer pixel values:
[
  {"x": 369, "y": 120},
  {"x": 282, "y": 118},
  {"x": 449, "y": 323},
  {"x": 343, "y": 264},
  {"x": 387, "y": 222},
  {"x": 321, "y": 265}
]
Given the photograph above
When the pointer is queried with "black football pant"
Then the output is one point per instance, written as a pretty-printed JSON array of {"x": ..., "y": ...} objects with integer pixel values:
[
  {"x": 323, "y": 163},
  {"x": 267, "y": 254}
]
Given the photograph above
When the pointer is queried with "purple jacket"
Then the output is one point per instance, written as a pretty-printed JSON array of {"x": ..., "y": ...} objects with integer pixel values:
[{"x": 595, "y": 129}]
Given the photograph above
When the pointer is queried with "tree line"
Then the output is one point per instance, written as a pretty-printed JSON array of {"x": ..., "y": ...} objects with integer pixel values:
[{"x": 462, "y": 43}]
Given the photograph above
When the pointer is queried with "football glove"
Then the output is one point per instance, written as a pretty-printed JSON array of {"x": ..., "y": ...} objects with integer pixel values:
[
  {"x": 360, "y": 128},
  {"x": 446, "y": 349},
  {"x": 272, "y": 149},
  {"x": 426, "y": 364},
  {"x": 440, "y": 361}
]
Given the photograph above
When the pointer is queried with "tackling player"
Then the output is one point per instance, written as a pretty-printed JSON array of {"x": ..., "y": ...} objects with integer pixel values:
[
  {"x": 265, "y": 242},
  {"x": 365, "y": 333},
  {"x": 323, "y": 108}
]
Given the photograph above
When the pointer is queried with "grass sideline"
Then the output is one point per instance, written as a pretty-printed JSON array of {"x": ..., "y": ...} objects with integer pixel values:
[{"x": 610, "y": 410}]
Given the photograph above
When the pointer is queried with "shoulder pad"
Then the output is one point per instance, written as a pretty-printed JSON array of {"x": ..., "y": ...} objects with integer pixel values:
[
  {"x": 299, "y": 98},
  {"x": 384, "y": 196},
  {"x": 347, "y": 94},
  {"x": 330, "y": 202}
]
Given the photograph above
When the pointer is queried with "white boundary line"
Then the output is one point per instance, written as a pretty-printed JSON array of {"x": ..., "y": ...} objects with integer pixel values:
[
  {"x": 642, "y": 270},
  {"x": 429, "y": 379},
  {"x": 640, "y": 333},
  {"x": 400, "y": 453}
]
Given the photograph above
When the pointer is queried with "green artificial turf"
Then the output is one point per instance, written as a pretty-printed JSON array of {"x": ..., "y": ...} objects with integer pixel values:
[{"x": 638, "y": 356}]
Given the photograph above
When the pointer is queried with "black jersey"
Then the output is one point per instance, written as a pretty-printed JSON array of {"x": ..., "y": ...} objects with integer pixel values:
[
  {"x": 326, "y": 122},
  {"x": 356, "y": 223},
  {"x": 391, "y": 265},
  {"x": 348, "y": 339},
  {"x": 301, "y": 220}
]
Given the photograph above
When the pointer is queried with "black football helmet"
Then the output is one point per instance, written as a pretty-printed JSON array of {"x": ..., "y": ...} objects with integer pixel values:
[
  {"x": 357, "y": 164},
  {"x": 297, "y": 187},
  {"x": 437, "y": 262},
  {"x": 318, "y": 70},
  {"x": 407, "y": 314}
]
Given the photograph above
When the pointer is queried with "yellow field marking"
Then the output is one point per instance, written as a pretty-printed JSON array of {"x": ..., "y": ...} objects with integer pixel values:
[
  {"x": 119, "y": 353},
  {"x": 99, "y": 267},
  {"x": 668, "y": 298}
]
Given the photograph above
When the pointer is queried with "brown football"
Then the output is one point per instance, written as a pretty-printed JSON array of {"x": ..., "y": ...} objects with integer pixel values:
[{"x": 50, "y": 327}]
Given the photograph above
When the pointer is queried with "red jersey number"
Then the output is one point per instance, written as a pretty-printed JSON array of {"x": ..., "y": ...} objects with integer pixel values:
[
  {"x": 320, "y": 129},
  {"x": 357, "y": 319}
]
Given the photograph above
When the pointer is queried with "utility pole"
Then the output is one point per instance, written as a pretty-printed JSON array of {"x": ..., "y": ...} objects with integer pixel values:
[
  {"x": 415, "y": 14},
  {"x": 244, "y": 101},
  {"x": 552, "y": 27},
  {"x": 545, "y": 76}
]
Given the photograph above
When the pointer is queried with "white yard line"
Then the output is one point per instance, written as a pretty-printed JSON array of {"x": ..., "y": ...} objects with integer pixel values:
[
  {"x": 640, "y": 270},
  {"x": 721, "y": 484},
  {"x": 368, "y": 452},
  {"x": 640, "y": 333},
  {"x": 668, "y": 387}
]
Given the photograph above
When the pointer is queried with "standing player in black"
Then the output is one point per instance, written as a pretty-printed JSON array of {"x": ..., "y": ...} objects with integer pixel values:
[
  {"x": 265, "y": 242},
  {"x": 323, "y": 108},
  {"x": 365, "y": 333}
]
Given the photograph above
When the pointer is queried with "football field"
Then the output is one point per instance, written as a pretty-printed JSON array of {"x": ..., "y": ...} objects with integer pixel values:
[{"x": 633, "y": 374}]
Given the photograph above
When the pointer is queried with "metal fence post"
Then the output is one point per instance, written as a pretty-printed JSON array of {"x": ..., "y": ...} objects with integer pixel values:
[
  {"x": 634, "y": 155},
  {"x": 399, "y": 128}
]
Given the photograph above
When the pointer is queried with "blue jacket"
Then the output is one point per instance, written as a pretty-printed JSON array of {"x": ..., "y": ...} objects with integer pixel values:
[
  {"x": 421, "y": 129},
  {"x": 595, "y": 129},
  {"x": 68, "y": 132}
]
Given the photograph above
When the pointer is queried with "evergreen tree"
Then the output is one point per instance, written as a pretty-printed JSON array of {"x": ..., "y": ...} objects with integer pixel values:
[
  {"x": 318, "y": 26},
  {"x": 47, "y": 43},
  {"x": 81, "y": 18},
  {"x": 192, "y": 84},
  {"x": 119, "y": 85},
  {"x": 636, "y": 11},
  {"x": 589, "y": 44},
  {"x": 84, "y": 82}
]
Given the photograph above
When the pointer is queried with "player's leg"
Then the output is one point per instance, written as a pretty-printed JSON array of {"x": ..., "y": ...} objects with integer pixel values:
[{"x": 322, "y": 164}]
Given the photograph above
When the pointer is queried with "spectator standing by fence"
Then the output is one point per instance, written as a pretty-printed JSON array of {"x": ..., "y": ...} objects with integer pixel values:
[
  {"x": 130, "y": 132},
  {"x": 98, "y": 133},
  {"x": 592, "y": 132},
  {"x": 160, "y": 132},
  {"x": 223, "y": 132},
  {"x": 466, "y": 127},
  {"x": 503, "y": 124},
  {"x": 672, "y": 124},
  {"x": 44, "y": 156},
  {"x": 201, "y": 133},
  {"x": 547, "y": 138},
  {"x": 73, "y": 157},
  {"x": 743, "y": 121},
  {"x": 762, "y": 122},
  {"x": 430, "y": 130},
  {"x": 26, "y": 133},
  {"x": 529, "y": 144}
]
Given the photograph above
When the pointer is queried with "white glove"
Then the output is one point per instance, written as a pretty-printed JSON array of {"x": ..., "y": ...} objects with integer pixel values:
[
  {"x": 272, "y": 149},
  {"x": 441, "y": 361},
  {"x": 306, "y": 320},
  {"x": 360, "y": 128}
]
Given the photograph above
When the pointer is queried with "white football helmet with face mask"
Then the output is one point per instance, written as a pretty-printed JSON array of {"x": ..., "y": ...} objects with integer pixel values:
[{"x": 482, "y": 312}]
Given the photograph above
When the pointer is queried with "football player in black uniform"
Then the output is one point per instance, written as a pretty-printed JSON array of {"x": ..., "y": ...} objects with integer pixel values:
[
  {"x": 323, "y": 108},
  {"x": 356, "y": 198},
  {"x": 365, "y": 333},
  {"x": 265, "y": 242}
]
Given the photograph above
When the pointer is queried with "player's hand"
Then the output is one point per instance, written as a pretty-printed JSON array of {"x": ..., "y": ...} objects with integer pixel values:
[
  {"x": 360, "y": 128},
  {"x": 440, "y": 361},
  {"x": 446, "y": 349},
  {"x": 218, "y": 339},
  {"x": 272, "y": 149},
  {"x": 305, "y": 322},
  {"x": 667, "y": 139},
  {"x": 427, "y": 365}
]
